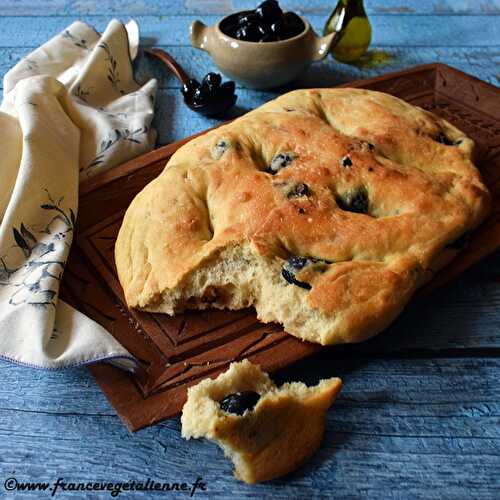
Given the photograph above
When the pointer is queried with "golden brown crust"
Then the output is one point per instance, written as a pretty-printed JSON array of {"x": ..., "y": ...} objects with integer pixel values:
[{"x": 421, "y": 195}]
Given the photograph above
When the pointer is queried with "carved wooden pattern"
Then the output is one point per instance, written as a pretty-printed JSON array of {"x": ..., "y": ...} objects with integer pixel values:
[{"x": 178, "y": 352}]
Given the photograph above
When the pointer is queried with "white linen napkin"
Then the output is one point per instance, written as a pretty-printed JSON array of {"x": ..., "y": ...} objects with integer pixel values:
[{"x": 71, "y": 109}]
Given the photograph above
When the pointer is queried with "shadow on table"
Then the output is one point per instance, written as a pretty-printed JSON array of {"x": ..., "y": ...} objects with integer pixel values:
[{"x": 163, "y": 120}]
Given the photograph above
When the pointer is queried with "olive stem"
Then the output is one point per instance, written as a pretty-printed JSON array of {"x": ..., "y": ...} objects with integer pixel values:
[{"x": 170, "y": 62}]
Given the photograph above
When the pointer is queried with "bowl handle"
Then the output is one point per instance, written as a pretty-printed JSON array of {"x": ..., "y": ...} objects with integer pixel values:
[
  {"x": 200, "y": 35},
  {"x": 323, "y": 44}
]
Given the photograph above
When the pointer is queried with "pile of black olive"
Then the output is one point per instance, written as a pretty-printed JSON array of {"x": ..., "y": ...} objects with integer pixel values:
[
  {"x": 211, "y": 96},
  {"x": 267, "y": 23}
]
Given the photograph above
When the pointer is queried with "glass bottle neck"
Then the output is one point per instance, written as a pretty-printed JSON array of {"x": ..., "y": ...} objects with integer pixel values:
[{"x": 356, "y": 7}]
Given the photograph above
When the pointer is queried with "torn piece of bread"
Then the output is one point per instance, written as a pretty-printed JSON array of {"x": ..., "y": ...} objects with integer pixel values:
[
  {"x": 265, "y": 430},
  {"x": 324, "y": 209}
]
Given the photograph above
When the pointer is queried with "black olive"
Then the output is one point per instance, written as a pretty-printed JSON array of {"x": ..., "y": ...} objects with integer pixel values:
[
  {"x": 248, "y": 18},
  {"x": 281, "y": 160},
  {"x": 269, "y": 11},
  {"x": 239, "y": 402},
  {"x": 201, "y": 95},
  {"x": 293, "y": 264},
  {"x": 371, "y": 147},
  {"x": 293, "y": 24},
  {"x": 241, "y": 33},
  {"x": 189, "y": 87},
  {"x": 269, "y": 38},
  {"x": 212, "y": 81},
  {"x": 354, "y": 201},
  {"x": 228, "y": 88},
  {"x": 267, "y": 23},
  {"x": 265, "y": 29},
  {"x": 297, "y": 263},
  {"x": 249, "y": 33},
  {"x": 210, "y": 98},
  {"x": 267, "y": 34},
  {"x": 230, "y": 29},
  {"x": 292, "y": 18},
  {"x": 278, "y": 28},
  {"x": 346, "y": 162},
  {"x": 299, "y": 190},
  {"x": 444, "y": 139},
  {"x": 290, "y": 277}
]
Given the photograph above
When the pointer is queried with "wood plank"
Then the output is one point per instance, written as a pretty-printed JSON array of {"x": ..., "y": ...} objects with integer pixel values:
[
  {"x": 174, "y": 121},
  {"x": 171, "y": 114},
  {"x": 401, "y": 428},
  {"x": 399, "y": 30},
  {"x": 476, "y": 61},
  {"x": 176, "y": 7}
]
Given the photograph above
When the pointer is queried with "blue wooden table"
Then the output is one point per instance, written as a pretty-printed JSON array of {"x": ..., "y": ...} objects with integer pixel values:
[{"x": 422, "y": 421}]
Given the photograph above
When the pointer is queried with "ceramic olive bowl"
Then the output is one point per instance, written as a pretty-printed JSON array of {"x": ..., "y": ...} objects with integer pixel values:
[{"x": 260, "y": 65}]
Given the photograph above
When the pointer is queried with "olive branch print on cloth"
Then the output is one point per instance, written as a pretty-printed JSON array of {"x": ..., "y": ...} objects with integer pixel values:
[
  {"x": 82, "y": 93},
  {"x": 32, "y": 65},
  {"x": 79, "y": 42},
  {"x": 119, "y": 135},
  {"x": 45, "y": 251},
  {"x": 113, "y": 74}
]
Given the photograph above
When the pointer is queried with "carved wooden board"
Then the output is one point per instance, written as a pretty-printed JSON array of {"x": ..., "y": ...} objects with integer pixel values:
[{"x": 178, "y": 352}]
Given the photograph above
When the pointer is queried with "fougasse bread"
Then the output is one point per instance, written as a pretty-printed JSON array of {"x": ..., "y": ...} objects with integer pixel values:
[
  {"x": 267, "y": 431},
  {"x": 324, "y": 209}
]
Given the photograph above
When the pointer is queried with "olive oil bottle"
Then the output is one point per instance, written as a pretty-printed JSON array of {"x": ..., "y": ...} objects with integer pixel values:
[{"x": 349, "y": 18}]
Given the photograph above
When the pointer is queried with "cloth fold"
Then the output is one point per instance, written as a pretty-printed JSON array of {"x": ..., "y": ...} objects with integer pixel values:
[{"x": 71, "y": 109}]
